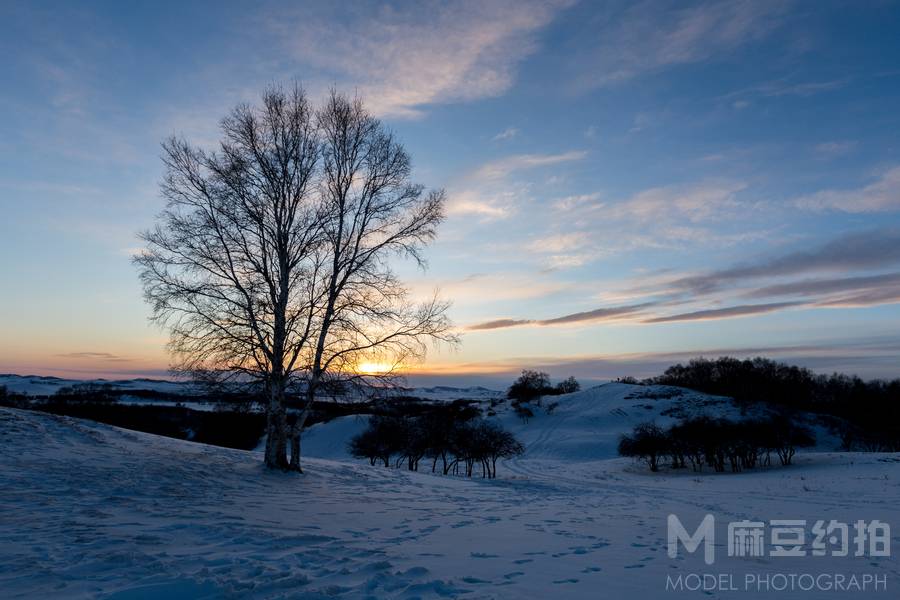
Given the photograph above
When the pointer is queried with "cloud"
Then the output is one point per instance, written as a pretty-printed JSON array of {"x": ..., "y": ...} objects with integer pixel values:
[
  {"x": 860, "y": 250},
  {"x": 703, "y": 201},
  {"x": 579, "y": 202},
  {"x": 664, "y": 217},
  {"x": 488, "y": 205},
  {"x": 870, "y": 297},
  {"x": 566, "y": 250},
  {"x": 503, "y": 167},
  {"x": 869, "y": 357},
  {"x": 780, "y": 88},
  {"x": 834, "y": 149},
  {"x": 506, "y": 134},
  {"x": 879, "y": 196},
  {"x": 480, "y": 288},
  {"x": 809, "y": 287},
  {"x": 489, "y": 191},
  {"x": 599, "y": 314},
  {"x": 562, "y": 242},
  {"x": 101, "y": 356},
  {"x": 401, "y": 61},
  {"x": 499, "y": 324},
  {"x": 725, "y": 313},
  {"x": 590, "y": 316},
  {"x": 650, "y": 36}
]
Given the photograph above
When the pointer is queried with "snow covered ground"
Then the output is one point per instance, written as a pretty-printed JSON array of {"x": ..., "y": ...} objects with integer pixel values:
[
  {"x": 37, "y": 385},
  {"x": 88, "y": 510}
]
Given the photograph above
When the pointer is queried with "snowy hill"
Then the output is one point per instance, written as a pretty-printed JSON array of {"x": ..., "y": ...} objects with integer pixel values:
[
  {"x": 94, "y": 511},
  {"x": 136, "y": 514},
  {"x": 584, "y": 426},
  {"x": 37, "y": 385}
]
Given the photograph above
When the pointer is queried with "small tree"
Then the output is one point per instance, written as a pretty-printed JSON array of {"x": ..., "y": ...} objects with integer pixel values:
[
  {"x": 647, "y": 442},
  {"x": 787, "y": 436},
  {"x": 530, "y": 386},
  {"x": 495, "y": 443},
  {"x": 523, "y": 412},
  {"x": 568, "y": 386}
]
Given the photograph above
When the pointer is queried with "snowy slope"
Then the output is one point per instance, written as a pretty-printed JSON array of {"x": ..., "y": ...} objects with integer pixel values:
[
  {"x": 36, "y": 385},
  {"x": 94, "y": 511},
  {"x": 584, "y": 426}
]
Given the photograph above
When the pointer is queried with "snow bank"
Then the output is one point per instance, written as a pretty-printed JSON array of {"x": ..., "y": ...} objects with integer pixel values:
[{"x": 94, "y": 511}]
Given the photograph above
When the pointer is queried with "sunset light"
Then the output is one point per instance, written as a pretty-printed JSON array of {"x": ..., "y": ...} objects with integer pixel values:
[{"x": 491, "y": 299}]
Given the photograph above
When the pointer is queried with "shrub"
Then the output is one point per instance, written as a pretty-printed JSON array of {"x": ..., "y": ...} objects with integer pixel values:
[
  {"x": 568, "y": 386},
  {"x": 523, "y": 412},
  {"x": 530, "y": 386},
  {"x": 718, "y": 443},
  {"x": 456, "y": 443},
  {"x": 647, "y": 442}
]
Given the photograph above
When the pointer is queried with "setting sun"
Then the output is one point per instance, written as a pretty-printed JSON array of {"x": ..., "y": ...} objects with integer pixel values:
[{"x": 373, "y": 368}]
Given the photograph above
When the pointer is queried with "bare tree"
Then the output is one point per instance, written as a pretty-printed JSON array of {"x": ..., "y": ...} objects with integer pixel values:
[
  {"x": 230, "y": 267},
  {"x": 270, "y": 262},
  {"x": 371, "y": 213}
]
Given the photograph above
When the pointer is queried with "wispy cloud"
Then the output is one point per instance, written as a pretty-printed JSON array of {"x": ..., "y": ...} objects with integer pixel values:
[
  {"x": 650, "y": 36},
  {"x": 881, "y": 195},
  {"x": 834, "y": 149},
  {"x": 810, "y": 287},
  {"x": 578, "y": 202},
  {"x": 861, "y": 250},
  {"x": 98, "y": 356},
  {"x": 479, "y": 288},
  {"x": 490, "y": 192},
  {"x": 874, "y": 357},
  {"x": 724, "y": 313},
  {"x": 563, "y": 242},
  {"x": 704, "y": 201},
  {"x": 505, "y": 166},
  {"x": 591, "y": 316},
  {"x": 506, "y": 134},
  {"x": 403, "y": 61}
]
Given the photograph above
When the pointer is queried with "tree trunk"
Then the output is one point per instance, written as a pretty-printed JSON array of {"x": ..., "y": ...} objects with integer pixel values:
[
  {"x": 276, "y": 429},
  {"x": 295, "y": 448},
  {"x": 297, "y": 429}
]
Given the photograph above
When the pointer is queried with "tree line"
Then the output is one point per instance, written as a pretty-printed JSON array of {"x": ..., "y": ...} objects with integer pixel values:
[
  {"x": 457, "y": 444},
  {"x": 865, "y": 414},
  {"x": 718, "y": 443}
]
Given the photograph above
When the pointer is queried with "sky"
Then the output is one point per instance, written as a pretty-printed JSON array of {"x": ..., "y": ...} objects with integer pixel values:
[{"x": 629, "y": 184}]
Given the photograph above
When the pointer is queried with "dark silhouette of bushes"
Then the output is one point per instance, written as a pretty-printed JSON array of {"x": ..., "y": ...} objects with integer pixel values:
[
  {"x": 569, "y": 385},
  {"x": 532, "y": 385},
  {"x": 717, "y": 443},
  {"x": 865, "y": 414},
  {"x": 459, "y": 444},
  {"x": 647, "y": 442}
]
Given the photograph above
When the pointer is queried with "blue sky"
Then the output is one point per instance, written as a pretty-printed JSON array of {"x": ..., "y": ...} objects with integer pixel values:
[{"x": 629, "y": 184}]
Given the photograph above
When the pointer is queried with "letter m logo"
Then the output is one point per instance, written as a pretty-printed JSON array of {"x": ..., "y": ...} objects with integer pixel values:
[{"x": 705, "y": 534}]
